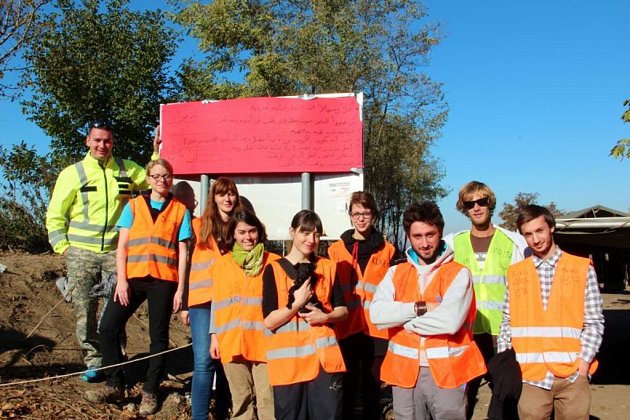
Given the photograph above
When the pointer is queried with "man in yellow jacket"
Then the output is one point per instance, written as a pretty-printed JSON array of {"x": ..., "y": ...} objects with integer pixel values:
[
  {"x": 553, "y": 319},
  {"x": 81, "y": 221}
]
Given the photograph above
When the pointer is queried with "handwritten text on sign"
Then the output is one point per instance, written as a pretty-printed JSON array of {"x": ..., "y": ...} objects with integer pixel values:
[{"x": 263, "y": 135}]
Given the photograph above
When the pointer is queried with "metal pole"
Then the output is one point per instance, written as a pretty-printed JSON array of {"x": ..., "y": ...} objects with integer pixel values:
[
  {"x": 307, "y": 191},
  {"x": 203, "y": 199}
]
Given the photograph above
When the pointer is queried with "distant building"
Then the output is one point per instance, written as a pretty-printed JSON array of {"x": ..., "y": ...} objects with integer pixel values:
[{"x": 602, "y": 234}]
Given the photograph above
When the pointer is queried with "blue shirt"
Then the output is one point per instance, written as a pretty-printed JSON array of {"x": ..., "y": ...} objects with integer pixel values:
[{"x": 126, "y": 220}]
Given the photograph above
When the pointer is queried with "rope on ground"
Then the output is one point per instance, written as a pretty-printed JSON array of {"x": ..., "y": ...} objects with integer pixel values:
[
  {"x": 45, "y": 316},
  {"x": 67, "y": 375}
]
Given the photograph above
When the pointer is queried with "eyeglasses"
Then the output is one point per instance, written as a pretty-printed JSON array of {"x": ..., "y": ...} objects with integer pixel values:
[
  {"x": 165, "y": 177},
  {"x": 102, "y": 124},
  {"x": 357, "y": 215},
  {"x": 482, "y": 202}
]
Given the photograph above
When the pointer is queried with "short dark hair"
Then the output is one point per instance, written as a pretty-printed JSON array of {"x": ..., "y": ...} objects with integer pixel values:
[
  {"x": 364, "y": 199},
  {"x": 249, "y": 218},
  {"x": 101, "y": 125},
  {"x": 532, "y": 211},
  {"x": 427, "y": 212},
  {"x": 307, "y": 221}
]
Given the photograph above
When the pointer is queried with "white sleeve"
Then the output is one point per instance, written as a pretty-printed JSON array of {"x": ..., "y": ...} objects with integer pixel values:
[
  {"x": 520, "y": 250},
  {"x": 449, "y": 239},
  {"x": 450, "y": 315},
  {"x": 385, "y": 312}
]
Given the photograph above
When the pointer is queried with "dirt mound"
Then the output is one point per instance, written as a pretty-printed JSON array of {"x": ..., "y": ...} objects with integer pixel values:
[{"x": 37, "y": 341}]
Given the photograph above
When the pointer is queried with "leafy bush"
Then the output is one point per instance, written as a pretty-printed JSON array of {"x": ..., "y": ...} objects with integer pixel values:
[{"x": 27, "y": 179}]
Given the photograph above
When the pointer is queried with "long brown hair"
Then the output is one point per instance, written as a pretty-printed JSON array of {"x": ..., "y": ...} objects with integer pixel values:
[{"x": 211, "y": 223}]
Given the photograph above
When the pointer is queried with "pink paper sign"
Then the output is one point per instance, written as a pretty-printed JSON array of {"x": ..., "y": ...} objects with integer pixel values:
[{"x": 263, "y": 135}]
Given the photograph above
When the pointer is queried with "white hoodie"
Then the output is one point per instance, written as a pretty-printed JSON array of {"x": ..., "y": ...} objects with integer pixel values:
[{"x": 447, "y": 318}]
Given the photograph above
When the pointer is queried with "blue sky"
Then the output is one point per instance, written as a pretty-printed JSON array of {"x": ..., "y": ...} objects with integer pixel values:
[{"x": 535, "y": 91}]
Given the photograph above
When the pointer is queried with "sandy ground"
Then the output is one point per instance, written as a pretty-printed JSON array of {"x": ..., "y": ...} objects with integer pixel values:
[{"x": 37, "y": 342}]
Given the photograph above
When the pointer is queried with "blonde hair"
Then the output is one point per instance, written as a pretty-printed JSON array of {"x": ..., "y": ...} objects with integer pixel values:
[
  {"x": 161, "y": 162},
  {"x": 474, "y": 187}
]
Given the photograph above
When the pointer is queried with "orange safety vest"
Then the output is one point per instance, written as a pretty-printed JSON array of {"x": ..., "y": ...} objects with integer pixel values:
[
  {"x": 548, "y": 340},
  {"x": 237, "y": 306},
  {"x": 199, "y": 280},
  {"x": 296, "y": 350},
  {"x": 358, "y": 295},
  {"x": 153, "y": 248},
  {"x": 454, "y": 359}
]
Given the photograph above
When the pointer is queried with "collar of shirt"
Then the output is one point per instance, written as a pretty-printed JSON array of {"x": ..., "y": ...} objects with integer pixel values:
[
  {"x": 108, "y": 162},
  {"x": 552, "y": 261}
]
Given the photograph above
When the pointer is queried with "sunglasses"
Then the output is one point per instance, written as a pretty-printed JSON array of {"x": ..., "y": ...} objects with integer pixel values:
[
  {"x": 102, "y": 124},
  {"x": 482, "y": 202}
]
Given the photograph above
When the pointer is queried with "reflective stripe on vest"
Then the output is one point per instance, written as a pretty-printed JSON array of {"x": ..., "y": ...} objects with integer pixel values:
[
  {"x": 489, "y": 282},
  {"x": 296, "y": 351},
  {"x": 558, "y": 332},
  {"x": 87, "y": 202},
  {"x": 200, "y": 282},
  {"x": 152, "y": 249},
  {"x": 237, "y": 310},
  {"x": 548, "y": 340},
  {"x": 241, "y": 325},
  {"x": 152, "y": 258},
  {"x": 79, "y": 230},
  {"x": 453, "y": 359},
  {"x": 290, "y": 352},
  {"x": 359, "y": 296},
  {"x": 404, "y": 351},
  {"x": 153, "y": 240},
  {"x": 107, "y": 234},
  {"x": 547, "y": 357}
]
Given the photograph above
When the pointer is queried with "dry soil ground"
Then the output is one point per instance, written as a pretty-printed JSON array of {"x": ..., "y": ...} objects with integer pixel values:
[{"x": 37, "y": 342}]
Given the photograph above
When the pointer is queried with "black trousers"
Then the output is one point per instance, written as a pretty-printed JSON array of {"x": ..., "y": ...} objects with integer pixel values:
[
  {"x": 486, "y": 343},
  {"x": 159, "y": 296},
  {"x": 318, "y": 399},
  {"x": 363, "y": 356}
]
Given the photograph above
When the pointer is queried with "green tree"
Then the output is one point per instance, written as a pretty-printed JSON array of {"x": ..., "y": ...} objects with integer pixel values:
[
  {"x": 17, "y": 27},
  {"x": 26, "y": 182},
  {"x": 94, "y": 60},
  {"x": 509, "y": 213},
  {"x": 622, "y": 148},
  {"x": 274, "y": 48}
]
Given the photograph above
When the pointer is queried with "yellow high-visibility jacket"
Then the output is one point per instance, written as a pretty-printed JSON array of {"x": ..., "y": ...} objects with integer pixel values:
[{"x": 87, "y": 201}]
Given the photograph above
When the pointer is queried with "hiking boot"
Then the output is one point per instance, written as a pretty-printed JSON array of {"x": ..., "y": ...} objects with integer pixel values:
[
  {"x": 104, "y": 394},
  {"x": 149, "y": 404}
]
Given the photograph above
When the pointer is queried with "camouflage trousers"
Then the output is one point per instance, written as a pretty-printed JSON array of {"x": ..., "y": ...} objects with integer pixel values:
[{"x": 86, "y": 269}]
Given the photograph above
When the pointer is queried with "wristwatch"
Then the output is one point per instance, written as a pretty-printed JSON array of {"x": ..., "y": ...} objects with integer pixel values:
[{"x": 420, "y": 307}]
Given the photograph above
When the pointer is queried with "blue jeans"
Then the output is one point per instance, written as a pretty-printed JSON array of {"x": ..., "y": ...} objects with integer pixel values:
[{"x": 204, "y": 366}]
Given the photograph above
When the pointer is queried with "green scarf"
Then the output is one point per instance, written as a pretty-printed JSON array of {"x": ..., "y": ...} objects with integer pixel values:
[{"x": 250, "y": 261}]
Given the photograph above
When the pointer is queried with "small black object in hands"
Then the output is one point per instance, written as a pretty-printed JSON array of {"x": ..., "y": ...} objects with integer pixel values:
[{"x": 305, "y": 272}]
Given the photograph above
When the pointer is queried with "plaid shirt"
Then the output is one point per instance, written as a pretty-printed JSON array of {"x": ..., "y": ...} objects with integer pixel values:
[{"x": 592, "y": 331}]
